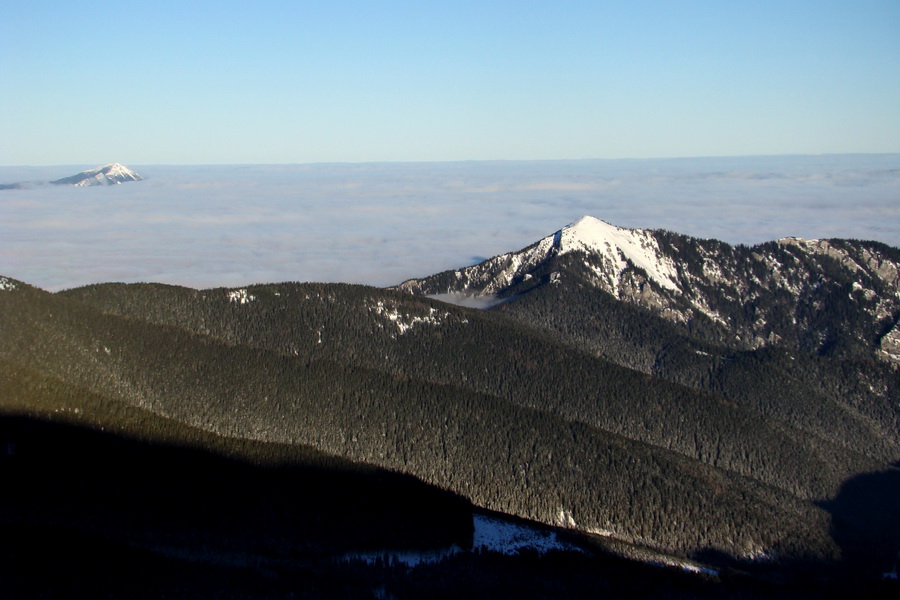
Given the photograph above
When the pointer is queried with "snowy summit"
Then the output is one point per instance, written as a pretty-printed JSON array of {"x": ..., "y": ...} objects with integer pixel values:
[
  {"x": 112, "y": 174},
  {"x": 617, "y": 245},
  {"x": 610, "y": 252}
]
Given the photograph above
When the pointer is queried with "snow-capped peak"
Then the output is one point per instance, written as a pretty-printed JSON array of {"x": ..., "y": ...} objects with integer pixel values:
[
  {"x": 110, "y": 174},
  {"x": 609, "y": 252},
  {"x": 619, "y": 245},
  {"x": 115, "y": 169}
]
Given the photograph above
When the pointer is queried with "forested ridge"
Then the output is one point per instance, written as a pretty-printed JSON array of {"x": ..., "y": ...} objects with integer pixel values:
[
  {"x": 832, "y": 397},
  {"x": 834, "y": 297},
  {"x": 488, "y": 354},
  {"x": 565, "y": 405},
  {"x": 499, "y": 454}
]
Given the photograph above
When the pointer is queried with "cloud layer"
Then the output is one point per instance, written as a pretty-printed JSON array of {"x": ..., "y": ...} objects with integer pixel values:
[{"x": 381, "y": 223}]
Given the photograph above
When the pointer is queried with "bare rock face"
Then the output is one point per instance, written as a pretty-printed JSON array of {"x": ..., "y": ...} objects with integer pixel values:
[{"x": 889, "y": 346}]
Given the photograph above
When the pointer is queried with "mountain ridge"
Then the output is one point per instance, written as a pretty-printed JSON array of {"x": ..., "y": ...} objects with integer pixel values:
[
  {"x": 758, "y": 294},
  {"x": 206, "y": 369},
  {"x": 110, "y": 174},
  {"x": 687, "y": 396}
]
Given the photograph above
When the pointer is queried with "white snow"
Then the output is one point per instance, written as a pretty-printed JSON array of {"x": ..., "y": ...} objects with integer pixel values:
[
  {"x": 110, "y": 174},
  {"x": 685, "y": 566},
  {"x": 240, "y": 296},
  {"x": 405, "y": 322},
  {"x": 618, "y": 246},
  {"x": 490, "y": 534},
  {"x": 564, "y": 518},
  {"x": 117, "y": 169},
  {"x": 505, "y": 537},
  {"x": 611, "y": 250},
  {"x": 6, "y": 285}
]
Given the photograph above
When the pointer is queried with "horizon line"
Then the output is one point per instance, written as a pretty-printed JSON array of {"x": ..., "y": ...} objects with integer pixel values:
[{"x": 457, "y": 161}]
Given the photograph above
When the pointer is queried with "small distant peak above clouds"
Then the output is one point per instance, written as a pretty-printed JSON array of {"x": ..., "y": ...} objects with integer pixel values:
[{"x": 112, "y": 174}]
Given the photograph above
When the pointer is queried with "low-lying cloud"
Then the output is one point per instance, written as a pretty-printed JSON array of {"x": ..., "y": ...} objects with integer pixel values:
[{"x": 380, "y": 224}]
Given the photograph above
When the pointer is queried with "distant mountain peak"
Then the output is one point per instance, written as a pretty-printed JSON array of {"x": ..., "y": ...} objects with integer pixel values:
[{"x": 111, "y": 174}]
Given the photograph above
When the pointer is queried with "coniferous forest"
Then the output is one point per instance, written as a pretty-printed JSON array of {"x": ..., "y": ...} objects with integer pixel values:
[{"x": 328, "y": 440}]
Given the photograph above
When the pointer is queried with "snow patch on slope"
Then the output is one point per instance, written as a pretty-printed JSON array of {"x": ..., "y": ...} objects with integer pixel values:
[
  {"x": 687, "y": 566},
  {"x": 506, "y": 537},
  {"x": 7, "y": 285},
  {"x": 618, "y": 246},
  {"x": 406, "y": 322},
  {"x": 240, "y": 296},
  {"x": 490, "y": 534}
]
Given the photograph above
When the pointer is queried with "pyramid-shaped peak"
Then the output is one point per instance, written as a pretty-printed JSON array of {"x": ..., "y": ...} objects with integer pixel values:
[
  {"x": 588, "y": 220},
  {"x": 591, "y": 231},
  {"x": 588, "y": 223},
  {"x": 618, "y": 245},
  {"x": 111, "y": 174},
  {"x": 113, "y": 169}
]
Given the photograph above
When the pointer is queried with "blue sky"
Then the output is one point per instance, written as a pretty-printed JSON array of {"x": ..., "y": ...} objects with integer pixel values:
[{"x": 296, "y": 82}]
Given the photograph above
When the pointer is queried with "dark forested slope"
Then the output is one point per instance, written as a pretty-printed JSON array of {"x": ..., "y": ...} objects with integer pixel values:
[
  {"x": 488, "y": 354},
  {"x": 511, "y": 456},
  {"x": 697, "y": 399}
]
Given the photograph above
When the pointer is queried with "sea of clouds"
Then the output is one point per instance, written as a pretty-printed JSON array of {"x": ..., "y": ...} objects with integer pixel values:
[{"x": 382, "y": 223}]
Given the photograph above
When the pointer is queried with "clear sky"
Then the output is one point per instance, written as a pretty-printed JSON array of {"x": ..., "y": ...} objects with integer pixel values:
[{"x": 195, "y": 82}]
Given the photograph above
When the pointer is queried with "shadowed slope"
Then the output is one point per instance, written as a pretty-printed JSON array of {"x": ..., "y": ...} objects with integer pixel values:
[{"x": 525, "y": 458}]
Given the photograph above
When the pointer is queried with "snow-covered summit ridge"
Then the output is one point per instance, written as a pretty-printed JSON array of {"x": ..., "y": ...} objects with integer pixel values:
[
  {"x": 111, "y": 174},
  {"x": 115, "y": 170},
  {"x": 618, "y": 246},
  {"x": 748, "y": 296},
  {"x": 611, "y": 253}
]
